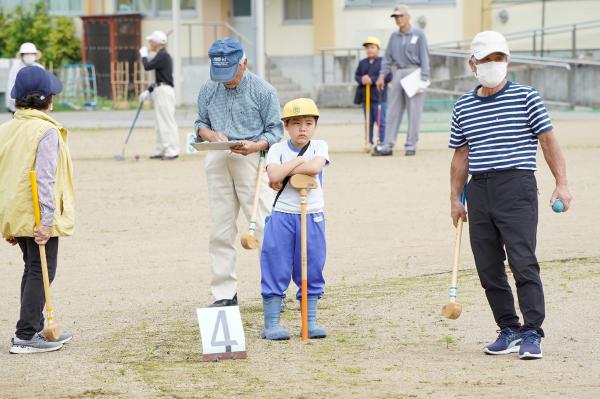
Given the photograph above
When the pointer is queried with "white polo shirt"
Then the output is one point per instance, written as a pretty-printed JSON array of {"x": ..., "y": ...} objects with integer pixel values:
[{"x": 289, "y": 200}]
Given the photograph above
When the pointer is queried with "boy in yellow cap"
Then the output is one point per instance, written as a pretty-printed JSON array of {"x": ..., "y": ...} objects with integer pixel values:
[
  {"x": 367, "y": 72},
  {"x": 280, "y": 258}
]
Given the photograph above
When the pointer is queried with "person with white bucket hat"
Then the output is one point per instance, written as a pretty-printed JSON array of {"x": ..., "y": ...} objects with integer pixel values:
[{"x": 27, "y": 56}]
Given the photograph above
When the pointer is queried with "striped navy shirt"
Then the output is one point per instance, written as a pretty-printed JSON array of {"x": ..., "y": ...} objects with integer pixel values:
[{"x": 501, "y": 130}]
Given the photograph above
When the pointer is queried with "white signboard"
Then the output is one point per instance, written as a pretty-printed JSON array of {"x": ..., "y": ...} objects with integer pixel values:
[{"x": 222, "y": 333}]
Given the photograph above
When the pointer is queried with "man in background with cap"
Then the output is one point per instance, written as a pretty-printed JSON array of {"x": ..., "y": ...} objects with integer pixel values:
[
  {"x": 234, "y": 105},
  {"x": 32, "y": 140},
  {"x": 162, "y": 94},
  {"x": 28, "y": 55},
  {"x": 495, "y": 133},
  {"x": 406, "y": 50}
]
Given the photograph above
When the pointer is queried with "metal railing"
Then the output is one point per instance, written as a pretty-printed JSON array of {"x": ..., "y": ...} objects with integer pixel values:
[
  {"x": 535, "y": 35},
  {"x": 338, "y": 66}
]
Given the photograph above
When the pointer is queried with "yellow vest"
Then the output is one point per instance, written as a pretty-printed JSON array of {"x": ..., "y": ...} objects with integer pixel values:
[{"x": 19, "y": 139}]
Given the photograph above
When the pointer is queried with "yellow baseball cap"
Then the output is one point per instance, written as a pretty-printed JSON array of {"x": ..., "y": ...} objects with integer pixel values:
[
  {"x": 300, "y": 107},
  {"x": 372, "y": 40}
]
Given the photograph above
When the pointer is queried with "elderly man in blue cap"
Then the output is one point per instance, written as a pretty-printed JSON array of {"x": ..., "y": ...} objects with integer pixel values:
[{"x": 234, "y": 105}]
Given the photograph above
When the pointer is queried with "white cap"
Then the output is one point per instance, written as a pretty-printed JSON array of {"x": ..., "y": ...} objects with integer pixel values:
[
  {"x": 488, "y": 42},
  {"x": 28, "y": 48},
  {"x": 157, "y": 37}
]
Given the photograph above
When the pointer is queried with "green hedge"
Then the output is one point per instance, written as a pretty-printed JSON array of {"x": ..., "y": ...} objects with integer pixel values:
[{"x": 53, "y": 36}]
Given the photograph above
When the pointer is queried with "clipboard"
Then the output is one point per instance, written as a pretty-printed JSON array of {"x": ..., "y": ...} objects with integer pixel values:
[
  {"x": 411, "y": 82},
  {"x": 216, "y": 145}
]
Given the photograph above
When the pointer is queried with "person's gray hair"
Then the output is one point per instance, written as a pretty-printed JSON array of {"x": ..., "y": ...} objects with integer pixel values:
[{"x": 242, "y": 59}]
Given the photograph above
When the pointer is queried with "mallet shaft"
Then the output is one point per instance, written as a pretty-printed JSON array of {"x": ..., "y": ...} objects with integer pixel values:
[
  {"x": 259, "y": 174},
  {"x": 367, "y": 114},
  {"x": 304, "y": 254},
  {"x": 42, "y": 248},
  {"x": 454, "y": 281}
]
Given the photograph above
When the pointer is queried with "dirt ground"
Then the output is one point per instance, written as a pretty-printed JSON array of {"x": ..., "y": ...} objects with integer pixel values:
[{"x": 129, "y": 282}]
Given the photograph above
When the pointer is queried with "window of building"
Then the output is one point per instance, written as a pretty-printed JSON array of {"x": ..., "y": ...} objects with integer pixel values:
[
  {"x": 241, "y": 8},
  {"x": 154, "y": 7},
  {"x": 392, "y": 3},
  {"x": 297, "y": 10}
]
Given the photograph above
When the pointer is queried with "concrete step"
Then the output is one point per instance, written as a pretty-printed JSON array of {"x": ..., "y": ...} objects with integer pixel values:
[
  {"x": 274, "y": 73},
  {"x": 285, "y": 96},
  {"x": 279, "y": 80},
  {"x": 291, "y": 86}
]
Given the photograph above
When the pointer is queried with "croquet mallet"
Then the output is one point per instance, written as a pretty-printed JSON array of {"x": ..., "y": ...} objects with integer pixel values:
[
  {"x": 52, "y": 330},
  {"x": 249, "y": 240},
  {"x": 378, "y": 120},
  {"x": 453, "y": 309},
  {"x": 121, "y": 156},
  {"x": 304, "y": 183},
  {"x": 367, "y": 147}
]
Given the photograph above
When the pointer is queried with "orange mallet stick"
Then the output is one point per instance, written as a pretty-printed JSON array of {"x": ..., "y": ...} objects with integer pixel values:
[
  {"x": 367, "y": 147},
  {"x": 303, "y": 183}
]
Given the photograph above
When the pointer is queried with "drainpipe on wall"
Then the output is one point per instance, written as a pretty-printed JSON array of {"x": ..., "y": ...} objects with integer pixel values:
[
  {"x": 259, "y": 22},
  {"x": 177, "y": 73}
]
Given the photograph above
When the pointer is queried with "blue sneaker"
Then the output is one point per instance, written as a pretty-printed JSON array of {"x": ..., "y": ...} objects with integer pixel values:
[
  {"x": 531, "y": 345},
  {"x": 507, "y": 342}
]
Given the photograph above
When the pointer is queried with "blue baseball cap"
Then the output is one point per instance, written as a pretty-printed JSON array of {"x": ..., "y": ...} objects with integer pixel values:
[
  {"x": 225, "y": 55},
  {"x": 34, "y": 78}
]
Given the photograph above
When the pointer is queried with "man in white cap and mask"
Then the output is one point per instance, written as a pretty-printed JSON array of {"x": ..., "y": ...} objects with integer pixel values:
[
  {"x": 162, "y": 94},
  {"x": 496, "y": 128},
  {"x": 28, "y": 55}
]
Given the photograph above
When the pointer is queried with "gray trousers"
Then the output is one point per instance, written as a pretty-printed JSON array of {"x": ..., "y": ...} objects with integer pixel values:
[{"x": 398, "y": 102}]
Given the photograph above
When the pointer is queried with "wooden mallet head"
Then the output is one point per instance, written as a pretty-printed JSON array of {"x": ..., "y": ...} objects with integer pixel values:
[
  {"x": 249, "y": 241},
  {"x": 305, "y": 182},
  {"x": 52, "y": 332},
  {"x": 452, "y": 310}
]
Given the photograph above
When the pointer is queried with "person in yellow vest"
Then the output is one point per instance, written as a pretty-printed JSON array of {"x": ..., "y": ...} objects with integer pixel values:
[{"x": 32, "y": 140}]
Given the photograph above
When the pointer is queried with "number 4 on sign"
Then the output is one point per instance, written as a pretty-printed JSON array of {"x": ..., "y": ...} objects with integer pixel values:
[{"x": 222, "y": 333}]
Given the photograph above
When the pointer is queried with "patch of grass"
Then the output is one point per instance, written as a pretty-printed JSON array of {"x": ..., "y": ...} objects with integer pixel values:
[
  {"x": 449, "y": 341},
  {"x": 168, "y": 358}
]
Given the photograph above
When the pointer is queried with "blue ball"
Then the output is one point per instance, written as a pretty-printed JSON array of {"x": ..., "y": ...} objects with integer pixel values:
[{"x": 558, "y": 206}]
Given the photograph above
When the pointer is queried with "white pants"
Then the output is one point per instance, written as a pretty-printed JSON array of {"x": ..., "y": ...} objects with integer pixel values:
[
  {"x": 167, "y": 136},
  {"x": 231, "y": 182}
]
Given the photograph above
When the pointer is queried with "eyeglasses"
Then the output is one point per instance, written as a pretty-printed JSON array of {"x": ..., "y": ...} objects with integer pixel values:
[{"x": 399, "y": 15}]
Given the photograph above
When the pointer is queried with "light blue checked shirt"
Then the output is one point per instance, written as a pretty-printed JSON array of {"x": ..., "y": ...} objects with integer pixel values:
[{"x": 248, "y": 112}]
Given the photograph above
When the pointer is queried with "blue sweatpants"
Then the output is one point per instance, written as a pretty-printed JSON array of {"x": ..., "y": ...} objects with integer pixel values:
[{"x": 280, "y": 259}]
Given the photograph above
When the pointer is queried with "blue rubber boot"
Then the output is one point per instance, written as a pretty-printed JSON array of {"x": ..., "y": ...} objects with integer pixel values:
[
  {"x": 272, "y": 310},
  {"x": 314, "y": 331}
]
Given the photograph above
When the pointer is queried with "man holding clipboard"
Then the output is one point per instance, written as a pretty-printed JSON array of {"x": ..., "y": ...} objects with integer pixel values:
[
  {"x": 235, "y": 105},
  {"x": 406, "y": 50}
]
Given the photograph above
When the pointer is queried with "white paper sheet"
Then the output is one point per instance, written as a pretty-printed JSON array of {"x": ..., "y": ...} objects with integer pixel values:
[
  {"x": 215, "y": 145},
  {"x": 412, "y": 82}
]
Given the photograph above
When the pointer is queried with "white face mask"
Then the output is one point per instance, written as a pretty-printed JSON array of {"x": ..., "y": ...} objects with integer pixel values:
[
  {"x": 491, "y": 74},
  {"x": 29, "y": 59}
]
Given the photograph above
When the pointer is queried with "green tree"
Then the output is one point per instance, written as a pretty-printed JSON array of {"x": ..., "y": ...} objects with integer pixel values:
[
  {"x": 53, "y": 36},
  {"x": 62, "y": 46}
]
